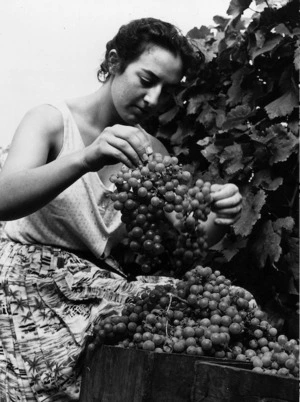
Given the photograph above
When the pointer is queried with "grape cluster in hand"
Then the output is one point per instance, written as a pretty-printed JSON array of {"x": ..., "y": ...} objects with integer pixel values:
[
  {"x": 201, "y": 315},
  {"x": 146, "y": 195}
]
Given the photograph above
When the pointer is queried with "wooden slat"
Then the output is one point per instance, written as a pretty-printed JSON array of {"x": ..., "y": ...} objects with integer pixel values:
[
  {"x": 114, "y": 374},
  {"x": 214, "y": 383}
]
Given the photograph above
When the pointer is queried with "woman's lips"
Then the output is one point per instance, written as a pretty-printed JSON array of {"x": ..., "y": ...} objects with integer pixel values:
[{"x": 141, "y": 110}]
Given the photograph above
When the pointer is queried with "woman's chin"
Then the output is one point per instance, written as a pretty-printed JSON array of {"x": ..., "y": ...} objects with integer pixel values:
[{"x": 132, "y": 120}]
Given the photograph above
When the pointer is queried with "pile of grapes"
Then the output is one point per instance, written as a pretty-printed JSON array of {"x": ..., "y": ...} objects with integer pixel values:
[
  {"x": 202, "y": 315},
  {"x": 146, "y": 196}
]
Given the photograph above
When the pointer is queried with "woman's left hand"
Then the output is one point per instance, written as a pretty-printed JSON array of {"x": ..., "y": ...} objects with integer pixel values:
[{"x": 226, "y": 203}]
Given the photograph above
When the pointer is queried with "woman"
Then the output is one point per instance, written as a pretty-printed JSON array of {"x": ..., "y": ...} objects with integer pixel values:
[{"x": 55, "y": 196}]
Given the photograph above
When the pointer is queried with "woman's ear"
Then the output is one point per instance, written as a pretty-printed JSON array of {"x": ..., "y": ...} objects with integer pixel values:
[{"x": 113, "y": 62}]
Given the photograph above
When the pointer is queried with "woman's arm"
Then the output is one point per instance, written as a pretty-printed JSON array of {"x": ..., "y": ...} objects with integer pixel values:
[
  {"x": 29, "y": 179},
  {"x": 31, "y": 176}
]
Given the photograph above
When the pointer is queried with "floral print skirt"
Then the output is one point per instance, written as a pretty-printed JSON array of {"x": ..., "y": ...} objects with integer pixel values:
[{"x": 49, "y": 300}]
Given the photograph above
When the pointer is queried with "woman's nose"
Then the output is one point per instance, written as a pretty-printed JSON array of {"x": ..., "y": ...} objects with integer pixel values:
[{"x": 152, "y": 96}]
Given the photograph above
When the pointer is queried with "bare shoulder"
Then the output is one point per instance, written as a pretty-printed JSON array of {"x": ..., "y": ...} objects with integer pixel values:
[
  {"x": 45, "y": 118},
  {"x": 38, "y": 136}
]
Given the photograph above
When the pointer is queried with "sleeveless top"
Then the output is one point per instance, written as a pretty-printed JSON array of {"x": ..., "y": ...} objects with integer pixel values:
[{"x": 80, "y": 218}]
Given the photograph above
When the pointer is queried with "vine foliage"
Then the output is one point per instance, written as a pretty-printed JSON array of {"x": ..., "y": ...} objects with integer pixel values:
[{"x": 237, "y": 121}]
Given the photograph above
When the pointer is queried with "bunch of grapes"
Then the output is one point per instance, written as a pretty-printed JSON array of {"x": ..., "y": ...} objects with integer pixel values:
[
  {"x": 201, "y": 315},
  {"x": 146, "y": 196}
]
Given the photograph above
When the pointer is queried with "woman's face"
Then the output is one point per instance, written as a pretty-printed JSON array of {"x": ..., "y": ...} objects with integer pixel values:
[{"x": 146, "y": 85}]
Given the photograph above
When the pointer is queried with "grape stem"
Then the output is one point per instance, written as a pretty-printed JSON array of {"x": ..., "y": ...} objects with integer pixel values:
[
  {"x": 168, "y": 308},
  {"x": 177, "y": 297}
]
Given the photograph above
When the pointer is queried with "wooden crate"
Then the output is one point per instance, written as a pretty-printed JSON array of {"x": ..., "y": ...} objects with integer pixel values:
[{"x": 114, "y": 374}]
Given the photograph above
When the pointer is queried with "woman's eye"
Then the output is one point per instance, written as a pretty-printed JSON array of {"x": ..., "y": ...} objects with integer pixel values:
[{"x": 145, "y": 82}]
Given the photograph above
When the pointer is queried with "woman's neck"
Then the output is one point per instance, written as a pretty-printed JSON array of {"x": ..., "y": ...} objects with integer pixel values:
[
  {"x": 94, "y": 112},
  {"x": 102, "y": 108}
]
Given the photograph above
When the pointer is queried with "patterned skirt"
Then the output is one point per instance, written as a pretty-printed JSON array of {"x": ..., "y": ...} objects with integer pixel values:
[{"x": 49, "y": 300}]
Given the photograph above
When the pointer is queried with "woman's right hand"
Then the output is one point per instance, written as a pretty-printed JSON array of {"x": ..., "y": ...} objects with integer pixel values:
[{"x": 126, "y": 144}]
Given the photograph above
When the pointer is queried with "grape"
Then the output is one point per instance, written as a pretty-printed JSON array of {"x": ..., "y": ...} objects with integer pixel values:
[
  {"x": 206, "y": 344},
  {"x": 258, "y": 333},
  {"x": 142, "y": 192},
  {"x": 149, "y": 345},
  {"x": 144, "y": 195},
  {"x": 179, "y": 346},
  {"x": 282, "y": 340},
  {"x": 174, "y": 319},
  {"x": 256, "y": 361}
]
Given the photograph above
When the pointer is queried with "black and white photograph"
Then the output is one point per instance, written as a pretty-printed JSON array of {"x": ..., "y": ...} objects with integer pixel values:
[{"x": 149, "y": 201}]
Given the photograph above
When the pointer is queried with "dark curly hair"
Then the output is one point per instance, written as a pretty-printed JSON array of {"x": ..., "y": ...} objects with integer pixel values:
[{"x": 133, "y": 38}]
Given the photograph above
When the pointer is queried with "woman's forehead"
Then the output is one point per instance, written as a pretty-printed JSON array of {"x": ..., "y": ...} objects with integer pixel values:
[{"x": 160, "y": 62}]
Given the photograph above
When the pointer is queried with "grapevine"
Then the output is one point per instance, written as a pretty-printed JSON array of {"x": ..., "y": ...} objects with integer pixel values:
[
  {"x": 237, "y": 121},
  {"x": 147, "y": 197},
  {"x": 202, "y": 315}
]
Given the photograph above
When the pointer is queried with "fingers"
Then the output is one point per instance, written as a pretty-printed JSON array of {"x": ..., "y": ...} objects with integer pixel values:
[
  {"x": 147, "y": 145},
  {"x": 225, "y": 195},
  {"x": 120, "y": 150},
  {"x": 227, "y": 203},
  {"x": 226, "y": 221},
  {"x": 230, "y": 211},
  {"x": 221, "y": 191},
  {"x": 228, "y": 216},
  {"x": 216, "y": 187},
  {"x": 138, "y": 146},
  {"x": 128, "y": 145}
]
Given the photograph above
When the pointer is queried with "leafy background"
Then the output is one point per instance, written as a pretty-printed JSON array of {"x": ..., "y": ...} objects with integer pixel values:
[{"x": 237, "y": 121}]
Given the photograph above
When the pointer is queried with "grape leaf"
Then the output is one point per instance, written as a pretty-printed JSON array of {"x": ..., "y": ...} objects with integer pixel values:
[
  {"x": 204, "y": 141},
  {"x": 164, "y": 133},
  {"x": 269, "y": 45},
  {"x": 286, "y": 223},
  {"x": 168, "y": 116},
  {"x": 220, "y": 118},
  {"x": 278, "y": 3},
  {"x": 282, "y": 106},
  {"x": 286, "y": 81},
  {"x": 282, "y": 145},
  {"x": 294, "y": 282},
  {"x": 263, "y": 179},
  {"x": 209, "y": 53},
  {"x": 207, "y": 116},
  {"x": 297, "y": 56},
  {"x": 195, "y": 102},
  {"x": 237, "y": 116},
  {"x": 293, "y": 125},
  {"x": 262, "y": 137},
  {"x": 291, "y": 260},
  {"x": 237, "y": 7},
  {"x": 198, "y": 33},
  {"x": 260, "y": 36},
  {"x": 181, "y": 135},
  {"x": 296, "y": 31},
  {"x": 210, "y": 152},
  {"x": 280, "y": 142},
  {"x": 228, "y": 247},
  {"x": 266, "y": 245},
  {"x": 212, "y": 174},
  {"x": 232, "y": 158},
  {"x": 220, "y": 21},
  {"x": 282, "y": 30},
  {"x": 235, "y": 92},
  {"x": 252, "y": 205}
]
